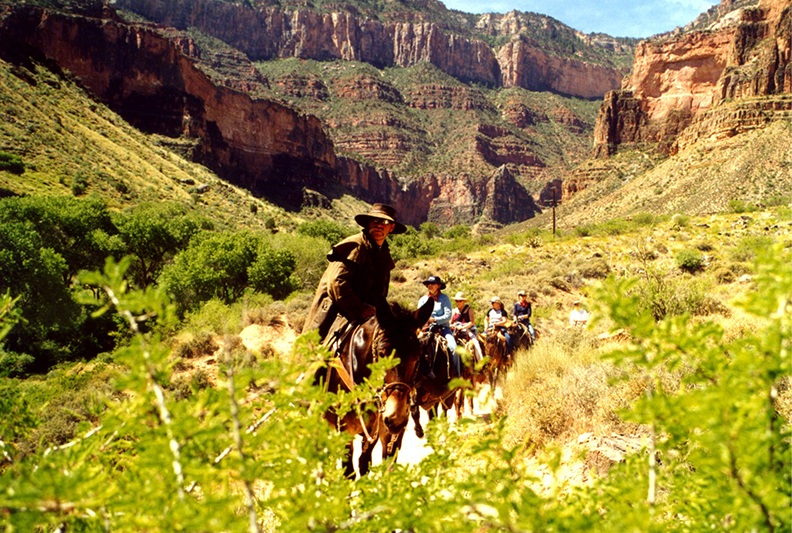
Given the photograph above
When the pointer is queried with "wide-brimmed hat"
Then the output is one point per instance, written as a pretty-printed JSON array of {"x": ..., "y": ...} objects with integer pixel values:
[
  {"x": 459, "y": 297},
  {"x": 495, "y": 299},
  {"x": 435, "y": 279},
  {"x": 521, "y": 293},
  {"x": 381, "y": 211}
]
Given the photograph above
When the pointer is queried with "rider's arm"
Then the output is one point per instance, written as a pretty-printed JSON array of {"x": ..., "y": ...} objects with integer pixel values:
[{"x": 445, "y": 307}]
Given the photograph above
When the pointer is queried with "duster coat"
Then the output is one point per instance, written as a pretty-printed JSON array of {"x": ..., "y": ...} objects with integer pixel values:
[{"x": 358, "y": 275}]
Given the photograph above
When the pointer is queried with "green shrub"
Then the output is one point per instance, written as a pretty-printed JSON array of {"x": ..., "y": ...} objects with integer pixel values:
[
  {"x": 457, "y": 232},
  {"x": 738, "y": 206},
  {"x": 11, "y": 163},
  {"x": 429, "y": 230},
  {"x": 680, "y": 221},
  {"x": 689, "y": 260},
  {"x": 79, "y": 184},
  {"x": 328, "y": 230}
]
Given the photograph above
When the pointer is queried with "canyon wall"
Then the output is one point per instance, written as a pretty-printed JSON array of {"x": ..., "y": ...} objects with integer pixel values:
[
  {"x": 678, "y": 80},
  {"x": 272, "y": 32},
  {"x": 154, "y": 82}
]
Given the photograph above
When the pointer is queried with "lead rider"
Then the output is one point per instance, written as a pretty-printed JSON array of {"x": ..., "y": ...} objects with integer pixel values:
[{"x": 358, "y": 275}]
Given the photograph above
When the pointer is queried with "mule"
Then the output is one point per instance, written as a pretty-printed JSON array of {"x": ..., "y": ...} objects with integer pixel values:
[
  {"x": 521, "y": 337},
  {"x": 392, "y": 332},
  {"x": 471, "y": 374},
  {"x": 434, "y": 390},
  {"x": 500, "y": 358}
]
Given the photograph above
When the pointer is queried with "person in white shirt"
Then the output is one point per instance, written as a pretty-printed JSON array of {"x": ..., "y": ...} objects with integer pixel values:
[
  {"x": 498, "y": 318},
  {"x": 578, "y": 316}
]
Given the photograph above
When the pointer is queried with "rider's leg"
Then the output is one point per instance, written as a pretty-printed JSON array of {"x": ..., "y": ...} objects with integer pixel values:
[{"x": 452, "y": 346}]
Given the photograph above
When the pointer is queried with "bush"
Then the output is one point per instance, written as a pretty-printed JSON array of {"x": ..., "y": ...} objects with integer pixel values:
[
  {"x": 11, "y": 163},
  {"x": 429, "y": 230},
  {"x": 689, "y": 260},
  {"x": 597, "y": 268},
  {"x": 79, "y": 184},
  {"x": 457, "y": 232},
  {"x": 723, "y": 275},
  {"x": 328, "y": 230}
]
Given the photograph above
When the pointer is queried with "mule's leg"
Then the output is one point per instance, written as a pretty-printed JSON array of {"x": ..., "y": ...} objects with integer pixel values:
[
  {"x": 415, "y": 413},
  {"x": 349, "y": 465},
  {"x": 364, "y": 462}
]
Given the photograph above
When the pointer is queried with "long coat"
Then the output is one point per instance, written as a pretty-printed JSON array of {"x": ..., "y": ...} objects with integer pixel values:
[{"x": 358, "y": 274}]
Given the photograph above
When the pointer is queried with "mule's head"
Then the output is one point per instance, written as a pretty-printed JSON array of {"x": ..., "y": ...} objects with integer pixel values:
[{"x": 398, "y": 335}]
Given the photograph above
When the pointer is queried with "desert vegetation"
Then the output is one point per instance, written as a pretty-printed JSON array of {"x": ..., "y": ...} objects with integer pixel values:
[{"x": 687, "y": 365}]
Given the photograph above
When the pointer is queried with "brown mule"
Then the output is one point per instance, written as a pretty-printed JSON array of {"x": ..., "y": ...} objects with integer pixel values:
[{"x": 394, "y": 331}]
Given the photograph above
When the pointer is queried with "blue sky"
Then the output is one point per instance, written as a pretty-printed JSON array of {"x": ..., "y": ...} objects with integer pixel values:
[{"x": 618, "y": 18}]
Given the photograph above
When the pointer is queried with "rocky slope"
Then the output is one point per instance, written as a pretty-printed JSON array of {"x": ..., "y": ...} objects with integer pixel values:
[{"x": 680, "y": 82}]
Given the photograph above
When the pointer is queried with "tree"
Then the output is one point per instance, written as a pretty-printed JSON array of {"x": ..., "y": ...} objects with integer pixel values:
[
  {"x": 224, "y": 265},
  {"x": 273, "y": 272},
  {"x": 328, "y": 230},
  {"x": 35, "y": 275},
  {"x": 154, "y": 234},
  {"x": 79, "y": 230}
]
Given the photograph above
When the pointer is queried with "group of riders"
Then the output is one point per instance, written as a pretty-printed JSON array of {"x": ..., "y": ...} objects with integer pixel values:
[
  {"x": 353, "y": 291},
  {"x": 456, "y": 323}
]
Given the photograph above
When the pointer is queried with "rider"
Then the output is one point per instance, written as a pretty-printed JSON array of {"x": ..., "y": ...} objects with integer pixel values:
[
  {"x": 441, "y": 316},
  {"x": 463, "y": 322},
  {"x": 358, "y": 275},
  {"x": 578, "y": 316},
  {"x": 522, "y": 313},
  {"x": 496, "y": 318}
]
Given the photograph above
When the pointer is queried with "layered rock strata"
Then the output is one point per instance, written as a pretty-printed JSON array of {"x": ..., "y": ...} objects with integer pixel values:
[
  {"x": 675, "y": 80},
  {"x": 154, "y": 82},
  {"x": 273, "y": 32}
]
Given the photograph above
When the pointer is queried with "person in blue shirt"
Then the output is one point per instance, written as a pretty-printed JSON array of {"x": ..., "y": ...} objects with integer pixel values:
[
  {"x": 522, "y": 313},
  {"x": 441, "y": 316}
]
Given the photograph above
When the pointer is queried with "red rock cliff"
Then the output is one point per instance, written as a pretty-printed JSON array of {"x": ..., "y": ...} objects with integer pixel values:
[
  {"x": 153, "y": 82},
  {"x": 272, "y": 32},
  {"x": 679, "y": 79},
  {"x": 146, "y": 78}
]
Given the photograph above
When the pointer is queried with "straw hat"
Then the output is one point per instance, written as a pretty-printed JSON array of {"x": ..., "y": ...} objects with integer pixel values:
[
  {"x": 495, "y": 299},
  {"x": 383, "y": 211},
  {"x": 459, "y": 297},
  {"x": 521, "y": 293}
]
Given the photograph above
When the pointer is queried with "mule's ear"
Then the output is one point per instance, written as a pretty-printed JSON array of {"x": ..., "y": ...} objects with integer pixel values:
[
  {"x": 423, "y": 313},
  {"x": 384, "y": 313}
]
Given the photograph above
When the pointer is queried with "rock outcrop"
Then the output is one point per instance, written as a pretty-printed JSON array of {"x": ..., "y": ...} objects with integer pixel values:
[
  {"x": 677, "y": 79},
  {"x": 525, "y": 65},
  {"x": 273, "y": 32}
]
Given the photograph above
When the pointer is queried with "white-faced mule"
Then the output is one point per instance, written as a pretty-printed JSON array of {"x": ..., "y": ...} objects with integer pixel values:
[{"x": 392, "y": 332}]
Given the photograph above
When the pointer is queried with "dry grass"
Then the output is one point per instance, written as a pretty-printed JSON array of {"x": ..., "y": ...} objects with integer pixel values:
[{"x": 561, "y": 388}]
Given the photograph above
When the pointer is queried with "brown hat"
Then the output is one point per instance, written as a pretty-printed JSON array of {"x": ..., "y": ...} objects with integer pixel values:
[{"x": 380, "y": 211}]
